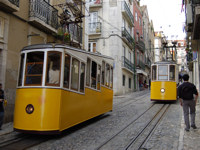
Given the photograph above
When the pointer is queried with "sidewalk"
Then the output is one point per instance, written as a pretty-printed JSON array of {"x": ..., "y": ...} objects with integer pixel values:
[{"x": 190, "y": 140}]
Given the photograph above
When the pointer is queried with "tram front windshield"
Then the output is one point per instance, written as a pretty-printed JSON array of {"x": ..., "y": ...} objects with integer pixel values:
[{"x": 34, "y": 66}]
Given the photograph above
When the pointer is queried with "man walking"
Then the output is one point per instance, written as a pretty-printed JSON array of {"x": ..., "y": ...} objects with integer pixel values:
[
  {"x": 187, "y": 100},
  {"x": 1, "y": 105}
]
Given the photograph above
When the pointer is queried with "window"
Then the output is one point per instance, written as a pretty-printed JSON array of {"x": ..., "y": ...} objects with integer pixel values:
[
  {"x": 92, "y": 47},
  {"x": 129, "y": 83},
  {"x": 93, "y": 19},
  {"x": 107, "y": 75},
  {"x": 172, "y": 72},
  {"x": 136, "y": 16},
  {"x": 154, "y": 72},
  {"x": 94, "y": 75},
  {"x": 98, "y": 77},
  {"x": 67, "y": 71},
  {"x": 75, "y": 74},
  {"x": 34, "y": 68},
  {"x": 1, "y": 27},
  {"x": 103, "y": 73},
  {"x": 88, "y": 72},
  {"x": 21, "y": 70},
  {"x": 124, "y": 51},
  {"x": 53, "y": 68},
  {"x": 163, "y": 72},
  {"x": 82, "y": 79},
  {"x": 111, "y": 78},
  {"x": 123, "y": 80}
]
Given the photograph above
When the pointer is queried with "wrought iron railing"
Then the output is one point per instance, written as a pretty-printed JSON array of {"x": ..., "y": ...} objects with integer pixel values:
[
  {"x": 44, "y": 11},
  {"x": 14, "y": 2},
  {"x": 141, "y": 65},
  {"x": 140, "y": 45},
  {"x": 128, "y": 64},
  {"x": 94, "y": 27},
  {"x": 127, "y": 35},
  {"x": 75, "y": 32},
  {"x": 127, "y": 10}
]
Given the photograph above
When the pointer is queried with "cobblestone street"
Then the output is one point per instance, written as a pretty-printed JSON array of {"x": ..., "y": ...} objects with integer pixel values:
[{"x": 90, "y": 135}]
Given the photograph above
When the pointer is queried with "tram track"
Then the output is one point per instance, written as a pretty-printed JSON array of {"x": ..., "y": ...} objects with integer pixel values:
[
  {"x": 20, "y": 141},
  {"x": 128, "y": 101},
  {"x": 135, "y": 139}
]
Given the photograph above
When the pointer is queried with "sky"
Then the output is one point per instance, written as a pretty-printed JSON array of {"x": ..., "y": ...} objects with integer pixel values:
[{"x": 167, "y": 17}]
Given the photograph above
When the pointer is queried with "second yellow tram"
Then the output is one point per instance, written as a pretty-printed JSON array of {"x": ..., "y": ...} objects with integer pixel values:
[
  {"x": 164, "y": 80},
  {"x": 60, "y": 86}
]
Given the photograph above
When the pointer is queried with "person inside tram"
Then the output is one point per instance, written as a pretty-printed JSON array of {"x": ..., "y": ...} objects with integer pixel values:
[{"x": 54, "y": 72}]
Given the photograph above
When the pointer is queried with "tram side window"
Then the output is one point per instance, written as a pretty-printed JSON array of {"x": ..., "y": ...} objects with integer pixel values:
[
  {"x": 53, "y": 68},
  {"x": 154, "y": 72},
  {"x": 103, "y": 73},
  {"x": 82, "y": 79},
  {"x": 98, "y": 77},
  {"x": 88, "y": 72},
  {"x": 75, "y": 74},
  {"x": 21, "y": 69},
  {"x": 111, "y": 77},
  {"x": 107, "y": 75},
  {"x": 34, "y": 68},
  {"x": 163, "y": 72},
  {"x": 172, "y": 72},
  {"x": 94, "y": 75},
  {"x": 67, "y": 70}
]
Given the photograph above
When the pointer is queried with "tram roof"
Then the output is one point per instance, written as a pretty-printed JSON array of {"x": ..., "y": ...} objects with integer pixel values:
[
  {"x": 164, "y": 62},
  {"x": 53, "y": 45}
]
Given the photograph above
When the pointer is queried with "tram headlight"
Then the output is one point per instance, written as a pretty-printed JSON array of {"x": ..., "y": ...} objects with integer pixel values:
[
  {"x": 162, "y": 90},
  {"x": 29, "y": 108}
]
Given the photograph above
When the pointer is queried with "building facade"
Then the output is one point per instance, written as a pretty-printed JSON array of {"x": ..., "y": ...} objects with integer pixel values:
[
  {"x": 139, "y": 46},
  {"x": 110, "y": 33},
  {"x": 192, "y": 28}
]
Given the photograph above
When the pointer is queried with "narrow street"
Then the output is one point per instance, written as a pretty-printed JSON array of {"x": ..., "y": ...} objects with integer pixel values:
[{"x": 134, "y": 123}]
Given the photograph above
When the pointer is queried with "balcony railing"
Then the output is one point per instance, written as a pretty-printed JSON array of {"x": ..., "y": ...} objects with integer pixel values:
[
  {"x": 75, "y": 32},
  {"x": 95, "y": 3},
  {"x": 9, "y": 5},
  {"x": 196, "y": 1},
  {"x": 95, "y": 28},
  {"x": 14, "y": 2},
  {"x": 126, "y": 11},
  {"x": 148, "y": 63},
  {"x": 141, "y": 65},
  {"x": 127, "y": 36},
  {"x": 128, "y": 64},
  {"x": 140, "y": 45},
  {"x": 43, "y": 11}
]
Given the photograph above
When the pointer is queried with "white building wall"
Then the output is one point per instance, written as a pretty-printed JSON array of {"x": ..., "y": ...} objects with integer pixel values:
[{"x": 110, "y": 43}]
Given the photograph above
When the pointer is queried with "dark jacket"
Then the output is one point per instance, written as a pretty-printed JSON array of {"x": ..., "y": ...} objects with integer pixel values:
[
  {"x": 1, "y": 103},
  {"x": 186, "y": 91}
]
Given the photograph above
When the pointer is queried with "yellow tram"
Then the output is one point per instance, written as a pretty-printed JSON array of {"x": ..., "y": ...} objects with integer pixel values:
[
  {"x": 164, "y": 80},
  {"x": 60, "y": 86}
]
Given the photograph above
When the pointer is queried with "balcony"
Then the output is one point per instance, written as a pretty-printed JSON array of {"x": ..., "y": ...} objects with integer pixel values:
[
  {"x": 127, "y": 13},
  {"x": 128, "y": 39},
  {"x": 75, "y": 33},
  {"x": 95, "y": 28},
  {"x": 95, "y": 3},
  {"x": 148, "y": 63},
  {"x": 9, "y": 5},
  {"x": 43, "y": 16},
  {"x": 72, "y": 37},
  {"x": 127, "y": 64},
  {"x": 196, "y": 25},
  {"x": 141, "y": 65},
  {"x": 140, "y": 45}
]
